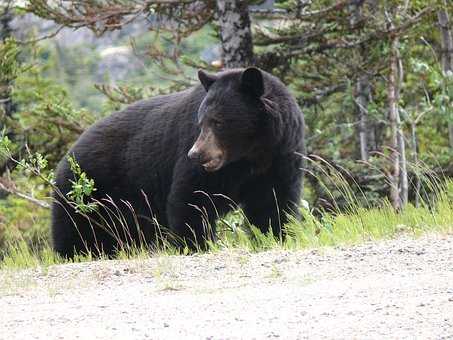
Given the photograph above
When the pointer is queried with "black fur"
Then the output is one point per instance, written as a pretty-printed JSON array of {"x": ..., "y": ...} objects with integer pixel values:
[{"x": 139, "y": 155}]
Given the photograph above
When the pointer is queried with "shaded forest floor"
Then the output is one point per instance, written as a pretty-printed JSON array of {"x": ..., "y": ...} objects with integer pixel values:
[{"x": 397, "y": 288}]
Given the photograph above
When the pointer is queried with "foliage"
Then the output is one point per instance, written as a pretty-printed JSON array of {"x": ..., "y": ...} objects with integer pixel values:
[
  {"x": 81, "y": 189},
  {"x": 10, "y": 66},
  {"x": 46, "y": 119},
  {"x": 22, "y": 221}
]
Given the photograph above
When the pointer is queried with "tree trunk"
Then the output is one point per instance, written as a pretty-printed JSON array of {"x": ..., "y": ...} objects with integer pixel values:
[
  {"x": 362, "y": 92},
  {"x": 446, "y": 58},
  {"x": 6, "y": 16},
  {"x": 235, "y": 33},
  {"x": 7, "y": 106},
  {"x": 446, "y": 41},
  {"x": 404, "y": 184},
  {"x": 5, "y": 19},
  {"x": 450, "y": 133},
  {"x": 415, "y": 156},
  {"x": 362, "y": 89},
  {"x": 394, "y": 120}
]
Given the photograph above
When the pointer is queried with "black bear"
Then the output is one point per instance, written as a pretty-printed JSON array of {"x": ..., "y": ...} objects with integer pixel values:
[{"x": 183, "y": 160}]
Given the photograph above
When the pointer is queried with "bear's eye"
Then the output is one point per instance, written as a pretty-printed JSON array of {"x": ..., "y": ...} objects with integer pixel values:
[{"x": 217, "y": 124}]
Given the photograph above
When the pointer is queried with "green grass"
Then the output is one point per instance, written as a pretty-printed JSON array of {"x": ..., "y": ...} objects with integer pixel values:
[{"x": 358, "y": 224}]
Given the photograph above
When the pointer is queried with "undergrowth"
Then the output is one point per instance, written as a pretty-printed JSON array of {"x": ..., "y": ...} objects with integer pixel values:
[{"x": 358, "y": 224}]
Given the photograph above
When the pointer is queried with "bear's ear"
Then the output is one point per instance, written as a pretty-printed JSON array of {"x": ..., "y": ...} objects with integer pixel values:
[
  {"x": 206, "y": 79},
  {"x": 252, "y": 81}
]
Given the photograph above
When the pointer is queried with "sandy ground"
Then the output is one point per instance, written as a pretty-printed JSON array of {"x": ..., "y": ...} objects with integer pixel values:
[{"x": 398, "y": 289}]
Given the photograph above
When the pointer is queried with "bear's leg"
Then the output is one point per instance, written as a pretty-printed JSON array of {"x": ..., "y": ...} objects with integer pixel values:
[
  {"x": 268, "y": 200},
  {"x": 190, "y": 224},
  {"x": 189, "y": 210}
]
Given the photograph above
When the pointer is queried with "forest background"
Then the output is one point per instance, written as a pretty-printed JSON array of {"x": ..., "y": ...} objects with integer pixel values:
[{"x": 374, "y": 79}]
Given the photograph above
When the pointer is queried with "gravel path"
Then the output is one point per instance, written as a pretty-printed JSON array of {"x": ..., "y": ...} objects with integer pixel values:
[{"x": 396, "y": 289}]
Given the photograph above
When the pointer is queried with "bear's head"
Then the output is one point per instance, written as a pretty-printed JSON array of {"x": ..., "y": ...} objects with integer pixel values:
[{"x": 231, "y": 117}]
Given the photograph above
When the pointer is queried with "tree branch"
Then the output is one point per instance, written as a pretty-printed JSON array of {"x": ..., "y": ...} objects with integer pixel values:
[{"x": 9, "y": 188}]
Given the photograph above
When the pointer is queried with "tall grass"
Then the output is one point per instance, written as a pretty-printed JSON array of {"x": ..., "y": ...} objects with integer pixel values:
[
  {"x": 358, "y": 220},
  {"x": 357, "y": 223}
]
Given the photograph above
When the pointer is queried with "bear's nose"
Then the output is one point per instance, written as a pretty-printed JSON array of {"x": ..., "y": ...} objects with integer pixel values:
[{"x": 194, "y": 154}]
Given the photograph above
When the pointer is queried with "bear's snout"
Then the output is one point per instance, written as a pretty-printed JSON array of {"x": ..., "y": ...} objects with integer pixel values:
[
  {"x": 194, "y": 154},
  {"x": 207, "y": 153},
  {"x": 197, "y": 155}
]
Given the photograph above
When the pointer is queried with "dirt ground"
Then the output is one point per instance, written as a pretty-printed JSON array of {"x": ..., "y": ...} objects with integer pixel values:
[{"x": 397, "y": 289}]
